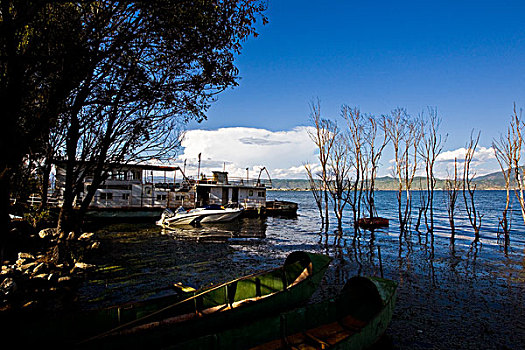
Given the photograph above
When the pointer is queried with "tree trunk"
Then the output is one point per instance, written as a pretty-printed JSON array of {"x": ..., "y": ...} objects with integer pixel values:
[
  {"x": 66, "y": 216},
  {"x": 4, "y": 210},
  {"x": 46, "y": 171}
]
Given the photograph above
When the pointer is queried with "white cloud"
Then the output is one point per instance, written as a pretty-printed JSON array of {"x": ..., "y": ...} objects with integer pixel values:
[
  {"x": 283, "y": 153},
  {"x": 483, "y": 162},
  {"x": 481, "y": 154}
]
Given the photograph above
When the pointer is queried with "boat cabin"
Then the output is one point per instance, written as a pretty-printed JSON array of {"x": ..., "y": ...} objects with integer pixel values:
[
  {"x": 219, "y": 189},
  {"x": 132, "y": 186},
  {"x": 127, "y": 186}
]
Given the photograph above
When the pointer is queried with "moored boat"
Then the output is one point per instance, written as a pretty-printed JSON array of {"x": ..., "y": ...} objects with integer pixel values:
[
  {"x": 355, "y": 319},
  {"x": 208, "y": 214},
  {"x": 213, "y": 309},
  {"x": 372, "y": 223},
  {"x": 281, "y": 208}
]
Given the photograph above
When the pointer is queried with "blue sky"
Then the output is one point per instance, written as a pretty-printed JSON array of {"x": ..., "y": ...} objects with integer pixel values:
[{"x": 465, "y": 58}]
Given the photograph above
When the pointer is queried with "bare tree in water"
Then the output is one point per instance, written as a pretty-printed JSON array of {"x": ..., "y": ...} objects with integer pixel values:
[
  {"x": 356, "y": 138},
  {"x": 469, "y": 188},
  {"x": 508, "y": 153},
  {"x": 339, "y": 186},
  {"x": 431, "y": 149},
  {"x": 376, "y": 139},
  {"x": 405, "y": 135},
  {"x": 452, "y": 186},
  {"x": 316, "y": 187},
  {"x": 323, "y": 137},
  {"x": 423, "y": 202},
  {"x": 517, "y": 135},
  {"x": 504, "y": 150}
]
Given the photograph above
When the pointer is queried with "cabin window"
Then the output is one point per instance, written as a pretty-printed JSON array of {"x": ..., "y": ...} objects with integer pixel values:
[
  {"x": 260, "y": 194},
  {"x": 161, "y": 197},
  {"x": 125, "y": 196},
  {"x": 250, "y": 193},
  {"x": 120, "y": 175},
  {"x": 106, "y": 196}
]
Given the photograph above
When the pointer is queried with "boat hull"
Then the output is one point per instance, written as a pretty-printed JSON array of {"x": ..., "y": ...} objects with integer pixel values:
[
  {"x": 372, "y": 223},
  {"x": 221, "y": 217},
  {"x": 197, "y": 216},
  {"x": 281, "y": 208},
  {"x": 184, "y": 219},
  {"x": 279, "y": 289}
]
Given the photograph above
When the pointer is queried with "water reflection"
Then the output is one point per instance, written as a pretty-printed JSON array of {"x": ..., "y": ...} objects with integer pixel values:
[
  {"x": 236, "y": 230},
  {"x": 444, "y": 279}
]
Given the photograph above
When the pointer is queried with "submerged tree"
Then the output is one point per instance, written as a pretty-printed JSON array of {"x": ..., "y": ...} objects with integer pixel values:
[
  {"x": 339, "y": 186},
  {"x": 469, "y": 188},
  {"x": 517, "y": 140},
  {"x": 366, "y": 146},
  {"x": 324, "y": 137},
  {"x": 452, "y": 187},
  {"x": 375, "y": 143},
  {"x": 504, "y": 150},
  {"x": 432, "y": 146},
  {"x": 423, "y": 202},
  {"x": 405, "y": 136},
  {"x": 508, "y": 153},
  {"x": 356, "y": 139},
  {"x": 316, "y": 187}
]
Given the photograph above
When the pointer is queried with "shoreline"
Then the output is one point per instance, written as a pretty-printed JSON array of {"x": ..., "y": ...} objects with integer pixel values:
[
  {"x": 446, "y": 288},
  {"x": 386, "y": 190}
]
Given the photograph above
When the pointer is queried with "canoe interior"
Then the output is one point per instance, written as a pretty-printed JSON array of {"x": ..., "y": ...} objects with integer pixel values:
[{"x": 334, "y": 322}]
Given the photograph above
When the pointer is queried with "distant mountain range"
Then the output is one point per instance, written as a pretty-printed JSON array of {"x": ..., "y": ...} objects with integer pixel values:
[{"x": 493, "y": 181}]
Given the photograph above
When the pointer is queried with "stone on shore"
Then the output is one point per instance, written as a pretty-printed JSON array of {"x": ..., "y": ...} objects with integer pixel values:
[
  {"x": 86, "y": 236},
  {"x": 8, "y": 286},
  {"x": 50, "y": 232}
]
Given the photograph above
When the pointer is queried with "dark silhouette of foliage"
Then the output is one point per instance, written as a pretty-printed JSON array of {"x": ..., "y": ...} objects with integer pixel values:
[{"x": 118, "y": 79}]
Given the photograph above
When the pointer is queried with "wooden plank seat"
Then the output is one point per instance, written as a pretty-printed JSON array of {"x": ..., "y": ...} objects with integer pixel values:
[{"x": 321, "y": 337}]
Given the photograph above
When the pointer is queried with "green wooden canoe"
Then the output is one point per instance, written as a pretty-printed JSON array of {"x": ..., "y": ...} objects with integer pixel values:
[
  {"x": 355, "y": 319},
  {"x": 158, "y": 322}
]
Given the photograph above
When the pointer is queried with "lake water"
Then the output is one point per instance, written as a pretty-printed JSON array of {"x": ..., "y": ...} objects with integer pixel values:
[{"x": 463, "y": 294}]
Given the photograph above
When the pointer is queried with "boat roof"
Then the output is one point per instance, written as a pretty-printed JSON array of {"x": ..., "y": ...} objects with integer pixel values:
[
  {"x": 127, "y": 165},
  {"x": 234, "y": 184}
]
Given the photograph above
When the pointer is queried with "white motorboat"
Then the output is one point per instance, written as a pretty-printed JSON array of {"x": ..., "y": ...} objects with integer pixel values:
[{"x": 207, "y": 214}]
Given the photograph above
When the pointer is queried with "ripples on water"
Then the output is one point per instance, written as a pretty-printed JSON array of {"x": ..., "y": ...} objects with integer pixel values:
[{"x": 460, "y": 295}]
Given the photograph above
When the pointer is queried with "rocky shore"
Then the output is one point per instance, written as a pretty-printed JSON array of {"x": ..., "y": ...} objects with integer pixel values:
[{"x": 31, "y": 278}]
